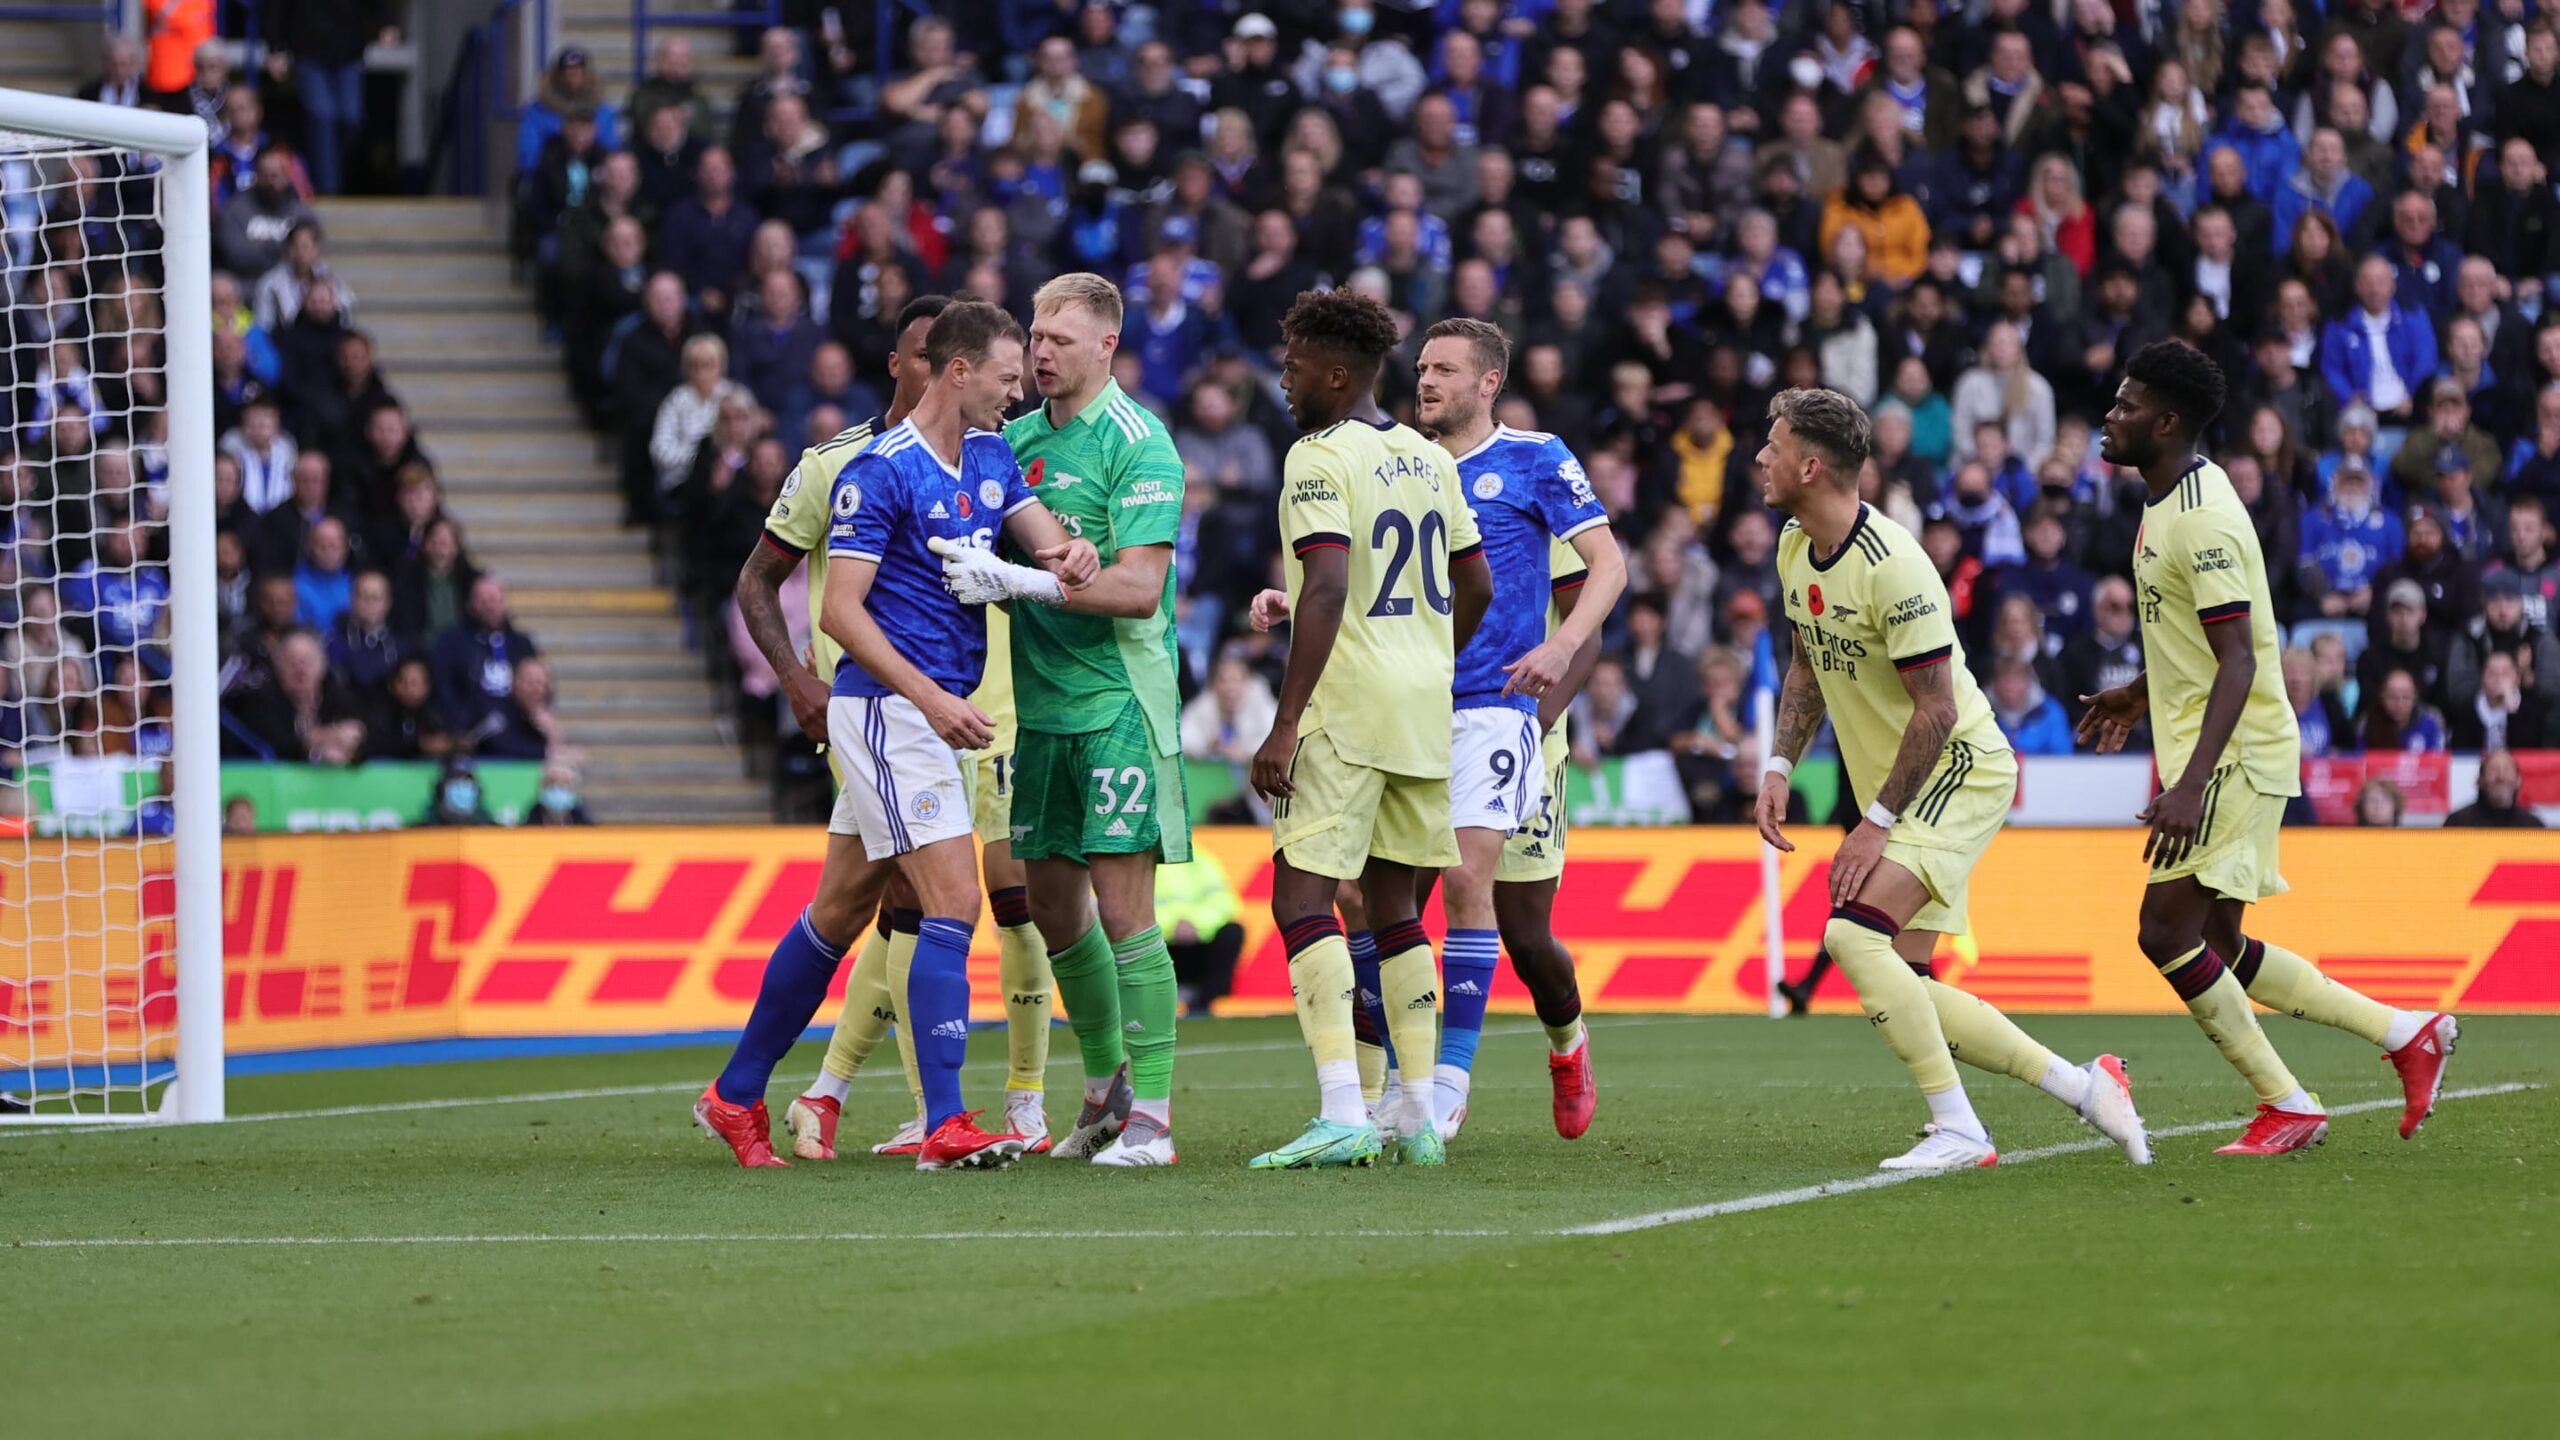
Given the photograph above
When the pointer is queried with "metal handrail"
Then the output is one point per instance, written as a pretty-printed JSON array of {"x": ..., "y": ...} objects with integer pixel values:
[{"x": 762, "y": 18}]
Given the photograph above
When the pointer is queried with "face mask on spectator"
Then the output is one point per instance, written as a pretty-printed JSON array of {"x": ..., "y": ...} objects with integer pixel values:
[
  {"x": 558, "y": 798},
  {"x": 1340, "y": 80},
  {"x": 461, "y": 795},
  {"x": 1357, "y": 22}
]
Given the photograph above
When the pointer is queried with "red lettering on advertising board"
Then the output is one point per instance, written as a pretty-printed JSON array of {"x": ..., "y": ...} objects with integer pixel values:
[
  {"x": 279, "y": 913},
  {"x": 2028, "y": 981},
  {"x": 465, "y": 891},
  {"x": 2412, "y": 980},
  {"x": 784, "y": 899},
  {"x": 520, "y": 981},
  {"x": 638, "y": 981},
  {"x": 577, "y": 905},
  {"x": 1653, "y": 977},
  {"x": 242, "y": 889},
  {"x": 1709, "y": 901},
  {"x": 430, "y": 977},
  {"x": 281, "y": 994},
  {"x": 739, "y": 977},
  {"x": 2521, "y": 971}
]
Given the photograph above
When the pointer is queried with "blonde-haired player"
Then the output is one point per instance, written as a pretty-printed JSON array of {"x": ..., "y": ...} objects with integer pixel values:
[{"x": 1876, "y": 648}]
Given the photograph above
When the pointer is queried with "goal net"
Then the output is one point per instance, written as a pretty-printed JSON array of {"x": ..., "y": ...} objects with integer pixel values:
[{"x": 110, "y": 883}]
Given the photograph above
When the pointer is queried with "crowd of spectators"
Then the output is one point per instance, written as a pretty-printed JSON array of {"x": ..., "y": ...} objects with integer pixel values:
[{"x": 353, "y": 624}]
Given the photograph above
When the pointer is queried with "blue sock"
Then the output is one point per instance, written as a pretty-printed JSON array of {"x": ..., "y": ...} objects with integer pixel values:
[
  {"x": 1369, "y": 1018},
  {"x": 795, "y": 985},
  {"x": 938, "y": 1004},
  {"x": 1466, "y": 982}
]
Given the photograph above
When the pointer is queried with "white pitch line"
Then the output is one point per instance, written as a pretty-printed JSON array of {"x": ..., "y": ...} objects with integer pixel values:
[
  {"x": 1771, "y": 1200},
  {"x": 1882, "y": 1178},
  {"x": 616, "y": 1092}
]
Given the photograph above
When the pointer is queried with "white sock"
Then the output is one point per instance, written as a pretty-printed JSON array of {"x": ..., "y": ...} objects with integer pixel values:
[
  {"x": 1160, "y": 1111},
  {"x": 1098, "y": 1090},
  {"x": 833, "y": 1087},
  {"x": 1338, "y": 1082},
  {"x": 1579, "y": 1035},
  {"x": 1448, "y": 1090},
  {"x": 1952, "y": 1111},
  {"x": 2299, "y": 1102},
  {"x": 2066, "y": 1082},
  {"x": 2405, "y": 1025}
]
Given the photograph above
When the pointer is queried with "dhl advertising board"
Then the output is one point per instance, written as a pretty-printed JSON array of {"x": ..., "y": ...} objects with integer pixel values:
[{"x": 343, "y": 940}]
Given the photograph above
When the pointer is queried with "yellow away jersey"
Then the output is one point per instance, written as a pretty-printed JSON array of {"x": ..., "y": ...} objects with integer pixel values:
[
  {"x": 2196, "y": 562},
  {"x": 994, "y": 694},
  {"x": 798, "y": 524},
  {"x": 1388, "y": 498},
  {"x": 1864, "y": 616},
  {"x": 1565, "y": 572}
]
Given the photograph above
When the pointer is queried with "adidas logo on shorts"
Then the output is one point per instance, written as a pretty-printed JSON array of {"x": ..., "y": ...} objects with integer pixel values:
[{"x": 1119, "y": 829}]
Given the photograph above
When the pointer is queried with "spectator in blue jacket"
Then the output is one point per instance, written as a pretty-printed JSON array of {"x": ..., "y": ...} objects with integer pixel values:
[
  {"x": 2323, "y": 183},
  {"x": 323, "y": 586},
  {"x": 119, "y": 595},
  {"x": 2346, "y": 542},
  {"x": 569, "y": 85},
  {"x": 771, "y": 350},
  {"x": 2263, "y": 141},
  {"x": 2424, "y": 264},
  {"x": 474, "y": 662},
  {"x": 1780, "y": 270},
  {"x": 707, "y": 235},
  {"x": 2060, "y": 589},
  {"x": 1169, "y": 334},
  {"x": 2033, "y": 720},
  {"x": 2380, "y": 353}
]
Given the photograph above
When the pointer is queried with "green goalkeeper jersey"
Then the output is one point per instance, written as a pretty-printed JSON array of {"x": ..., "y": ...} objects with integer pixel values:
[{"x": 1111, "y": 476}]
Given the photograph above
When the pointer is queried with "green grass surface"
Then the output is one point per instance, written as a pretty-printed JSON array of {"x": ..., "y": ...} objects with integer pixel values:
[{"x": 2370, "y": 1287}]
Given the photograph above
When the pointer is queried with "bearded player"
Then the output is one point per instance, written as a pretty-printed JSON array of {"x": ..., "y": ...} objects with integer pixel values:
[
  {"x": 2229, "y": 755},
  {"x": 1876, "y": 649},
  {"x": 1387, "y": 581},
  {"x": 1099, "y": 798}
]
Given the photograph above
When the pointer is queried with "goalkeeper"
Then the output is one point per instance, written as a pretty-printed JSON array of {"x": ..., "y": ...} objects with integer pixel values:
[{"x": 1098, "y": 796}]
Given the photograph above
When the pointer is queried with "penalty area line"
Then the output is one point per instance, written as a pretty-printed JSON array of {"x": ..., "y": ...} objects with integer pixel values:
[{"x": 1883, "y": 1178}]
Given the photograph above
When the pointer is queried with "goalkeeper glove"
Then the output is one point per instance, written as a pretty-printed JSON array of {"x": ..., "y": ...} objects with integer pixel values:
[{"x": 977, "y": 577}]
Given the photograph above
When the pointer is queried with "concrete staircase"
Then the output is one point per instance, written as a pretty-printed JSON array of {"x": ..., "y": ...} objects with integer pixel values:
[
  {"x": 48, "y": 57},
  {"x": 602, "y": 28},
  {"x": 540, "y": 507}
]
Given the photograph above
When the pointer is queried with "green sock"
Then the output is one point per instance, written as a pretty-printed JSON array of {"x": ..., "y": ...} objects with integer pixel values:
[
  {"x": 1148, "y": 998},
  {"x": 1090, "y": 990}
]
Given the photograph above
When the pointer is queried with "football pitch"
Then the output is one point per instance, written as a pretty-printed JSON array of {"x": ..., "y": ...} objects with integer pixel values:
[{"x": 547, "y": 1247}]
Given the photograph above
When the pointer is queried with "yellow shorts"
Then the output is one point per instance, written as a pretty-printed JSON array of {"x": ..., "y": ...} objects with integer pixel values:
[
  {"x": 991, "y": 795},
  {"x": 1343, "y": 814},
  {"x": 2235, "y": 850},
  {"x": 1943, "y": 833},
  {"x": 1535, "y": 852}
]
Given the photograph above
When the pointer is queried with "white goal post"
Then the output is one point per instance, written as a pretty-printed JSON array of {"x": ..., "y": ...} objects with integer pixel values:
[{"x": 111, "y": 966}]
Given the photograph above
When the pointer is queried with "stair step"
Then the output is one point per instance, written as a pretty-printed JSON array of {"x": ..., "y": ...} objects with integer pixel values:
[
  {"x": 708, "y": 789},
  {"x": 435, "y": 274},
  {"x": 688, "y": 697},
  {"x": 428, "y": 392},
  {"x": 536, "y": 414},
  {"x": 372, "y": 249},
  {"x": 582, "y": 507},
  {"x": 614, "y": 634},
  {"x": 549, "y": 538},
  {"x": 592, "y": 668},
  {"x": 513, "y": 461},
  {"x": 753, "y": 809},
  {"x": 411, "y": 220},
  {"x": 534, "y": 597},
  {"x": 707, "y": 760},
  {"x": 527, "y": 364},
  {"x": 575, "y": 569},
  {"x": 598, "y": 731},
  {"x": 414, "y": 332}
]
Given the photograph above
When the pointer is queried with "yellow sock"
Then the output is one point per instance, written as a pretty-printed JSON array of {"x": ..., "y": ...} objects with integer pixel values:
[
  {"x": 1982, "y": 1037},
  {"x": 1022, "y": 967},
  {"x": 1896, "y": 1001},
  {"x": 1409, "y": 983},
  {"x": 2281, "y": 980},
  {"x": 2214, "y": 997},
  {"x": 1373, "y": 1071},
  {"x": 902, "y": 960},
  {"x": 869, "y": 1009},
  {"x": 1320, "y": 987}
]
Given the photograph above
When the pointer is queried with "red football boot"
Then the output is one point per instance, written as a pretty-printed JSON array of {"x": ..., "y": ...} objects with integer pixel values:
[
  {"x": 746, "y": 1129},
  {"x": 812, "y": 1123},
  {"x": 2421, "y": 1067},
  {"x": 958, "y": 1144},
  {"x": 2279, "y": 1132},
  {"x": 1576, "y": 1095}
]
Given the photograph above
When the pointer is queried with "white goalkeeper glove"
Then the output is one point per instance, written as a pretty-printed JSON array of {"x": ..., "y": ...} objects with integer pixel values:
[{"x": 977, "y": 577}]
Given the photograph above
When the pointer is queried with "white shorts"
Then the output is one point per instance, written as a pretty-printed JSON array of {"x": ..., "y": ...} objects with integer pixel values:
[
  {"x": 1495, "y": 780},
  {"x": 903, "y": 787}
]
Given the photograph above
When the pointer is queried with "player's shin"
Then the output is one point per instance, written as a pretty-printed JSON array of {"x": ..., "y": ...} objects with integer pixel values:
[
  {"x": 938, "y": 1011},
  {"x": 1981, "y": 1036},
  {"x": 1408, "y": 982},
  {"x": 1148, "y": 1003},
  {"x": 1022, "y": 968},
  {"x": 1320, "y": 986},
  {"x": 864, "y": 1022},
  {"x": 1089, "y": 985},
  {"x": 1466, "y": 971},
  {"x": 903, "y": 925},
  {"x": 1369, "y": 1021},
  {"x": 2221, "y": 1007},
  {"x": 2281, "y": 980},
  {"x": 1860, "y": 938},
  {"x": 795, "y": 985}
]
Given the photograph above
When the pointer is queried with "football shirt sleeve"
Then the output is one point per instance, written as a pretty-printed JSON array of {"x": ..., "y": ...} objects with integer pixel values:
[
  {"x": 863, "y": 503},
  {"x": 2212, "y": 551},
  {"x": 1314, "y": 512},
  {"x": 1914, "y": 614},
  {"x": 1464, "y": 538},
  {"x": 1146, "y": 506},
  {"x": 798, "y": 520}
]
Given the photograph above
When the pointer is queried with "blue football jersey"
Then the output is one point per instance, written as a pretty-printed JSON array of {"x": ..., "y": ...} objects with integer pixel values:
[
  {"x": 1525, "y": 487},
  {"x": 893, "y": 497}
]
